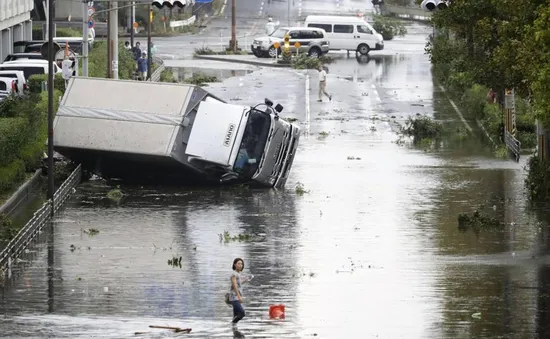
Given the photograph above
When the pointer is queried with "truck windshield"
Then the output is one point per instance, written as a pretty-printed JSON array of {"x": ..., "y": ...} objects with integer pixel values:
[{"x": 253, "y": 144}]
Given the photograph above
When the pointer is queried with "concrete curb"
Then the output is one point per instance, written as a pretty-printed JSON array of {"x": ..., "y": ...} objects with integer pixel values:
[
  {"x": 21, "y": 195},
  {"x": 248, "y": 62}
]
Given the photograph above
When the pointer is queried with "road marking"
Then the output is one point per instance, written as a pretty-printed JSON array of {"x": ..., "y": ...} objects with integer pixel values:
[
  {"x": 307, "y": 104},
  {"x": 457, "y": 110}
]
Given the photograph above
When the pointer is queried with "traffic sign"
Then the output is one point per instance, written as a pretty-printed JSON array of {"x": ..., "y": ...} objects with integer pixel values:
[
  {"x": 91, "y": 11},
  {"x": 91, "y": 23}
]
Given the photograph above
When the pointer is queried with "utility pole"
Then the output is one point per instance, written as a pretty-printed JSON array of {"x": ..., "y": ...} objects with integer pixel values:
[
  {"x": 85, "y": 38},
  {"x": 149, "y": 24},
  {"x": 233, "y": 42},
  {"x": 132, "y": 19},
  {"x": 51, "y": 187},
  {"x": 113, "y": 38},
  {"x": 109, "y": 55},
  {"x": 288, "y": 1}
]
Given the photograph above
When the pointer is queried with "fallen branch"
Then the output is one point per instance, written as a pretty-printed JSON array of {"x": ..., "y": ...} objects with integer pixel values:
[{"x": 175, "y": 329}]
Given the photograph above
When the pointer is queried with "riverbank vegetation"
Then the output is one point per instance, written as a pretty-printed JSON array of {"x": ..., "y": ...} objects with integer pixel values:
[{"x": 490, "y": 52}]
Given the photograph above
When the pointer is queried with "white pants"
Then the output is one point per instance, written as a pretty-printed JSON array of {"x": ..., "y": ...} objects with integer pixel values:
[{"x": 323, "y": 90}]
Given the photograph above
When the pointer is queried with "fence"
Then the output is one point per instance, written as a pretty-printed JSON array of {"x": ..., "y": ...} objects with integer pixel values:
[{"x": 32, "y": 228}]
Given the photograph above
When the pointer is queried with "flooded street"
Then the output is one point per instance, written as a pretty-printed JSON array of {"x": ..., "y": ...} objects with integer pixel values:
[{"x": 369, "y": 248}]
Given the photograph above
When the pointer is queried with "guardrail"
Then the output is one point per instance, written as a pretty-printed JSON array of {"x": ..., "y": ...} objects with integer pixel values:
[
  {"x": 33, "y": 227},
  {"x": 155, "y": 76},
  {"x": 512, "y": 144}
]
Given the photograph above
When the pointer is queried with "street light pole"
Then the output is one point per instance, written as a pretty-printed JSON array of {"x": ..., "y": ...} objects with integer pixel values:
[
  {"x": 51, "y": 187},
  {"x": 132, "y": 19},
  {"x": 288, "y": 1},
  {"x": 85, "y": 38},
  {"x": 149, "y": 23},
  {"x": 233, "y": 42}
]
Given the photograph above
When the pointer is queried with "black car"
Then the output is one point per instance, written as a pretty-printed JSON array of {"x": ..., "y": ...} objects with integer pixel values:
[{"x": 18, "y": 56}]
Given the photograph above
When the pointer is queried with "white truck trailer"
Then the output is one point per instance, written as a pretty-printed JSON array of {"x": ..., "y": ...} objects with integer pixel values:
[{"x": 140, "y": 131}]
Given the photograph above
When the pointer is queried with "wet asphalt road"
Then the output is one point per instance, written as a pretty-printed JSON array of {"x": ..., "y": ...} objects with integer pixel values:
[
  {"x": 250, "y": 22},
  {"x": 371, "y": 250}
]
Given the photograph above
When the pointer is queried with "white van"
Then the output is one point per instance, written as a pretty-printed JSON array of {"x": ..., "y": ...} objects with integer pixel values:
[{"x": 348, "y": 33}]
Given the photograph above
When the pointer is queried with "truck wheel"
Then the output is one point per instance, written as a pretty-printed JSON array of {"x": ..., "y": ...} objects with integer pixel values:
[
  {"x": 363, "y": 49},
  {"x": 273, "y": 52},
  {"x": 314, "y": 52}
]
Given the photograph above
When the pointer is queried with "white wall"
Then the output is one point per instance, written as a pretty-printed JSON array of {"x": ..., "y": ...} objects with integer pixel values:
[{"x": 15, "y": 24}]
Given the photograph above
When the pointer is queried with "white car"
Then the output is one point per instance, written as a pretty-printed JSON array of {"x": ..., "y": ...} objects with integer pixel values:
[
  {"x": 8, "y": 86},
  {"x": 29, "y": 67},
  {"x": 19, "y": 75}
]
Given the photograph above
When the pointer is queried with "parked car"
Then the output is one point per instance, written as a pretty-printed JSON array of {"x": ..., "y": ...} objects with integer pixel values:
[
  {"x": 348, "y": 33},
  {"x": 8, "y": 86},
  {"x": 26, "y": 56},
  {"x": 312, "y": 42},
  {"x": 19, "y": 75},
  {"x": 29, "y": 67}
]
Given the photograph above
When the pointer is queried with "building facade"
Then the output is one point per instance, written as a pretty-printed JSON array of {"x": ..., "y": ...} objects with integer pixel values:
[{"x": 15, "y": 24}]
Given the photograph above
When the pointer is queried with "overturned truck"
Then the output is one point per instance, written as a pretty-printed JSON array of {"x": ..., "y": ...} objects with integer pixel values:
[{"x": 172, "y": 133}]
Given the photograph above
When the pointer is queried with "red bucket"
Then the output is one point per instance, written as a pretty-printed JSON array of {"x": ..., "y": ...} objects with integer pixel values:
[{"x": 277, "y": 311}]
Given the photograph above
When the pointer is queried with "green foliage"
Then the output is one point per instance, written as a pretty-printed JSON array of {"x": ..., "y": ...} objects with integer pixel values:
[
  {"x": 13, "y": 134},
  {"x": 227, "y": 237},
  {"x": 302, "y": 61},
  {"x": 167, "y": 76},
  {"x": 537, "y": 181},
  {"x": 35, "y": 82},
  {"x": 97, "y": 64},
  {"x": 7, "y": 230},
  {"x": 205, "y": 51},
  {"x": 11, "y": 174},
  {"x": 422, "y": 127},
  {"x": 66, "y": 32},
  {"x": 389, "y": 27},
  {"x": 200, "y": 79}
]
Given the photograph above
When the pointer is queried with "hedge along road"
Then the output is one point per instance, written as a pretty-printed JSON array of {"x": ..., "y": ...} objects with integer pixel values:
[{"x": 367, "y": 246}]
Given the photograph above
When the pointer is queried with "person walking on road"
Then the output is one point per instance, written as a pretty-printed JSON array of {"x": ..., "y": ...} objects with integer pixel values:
[
  {"x": 142, "y": 66},
  {"x": 235, "y": 295},
  {"x": 323, "y": 84}
]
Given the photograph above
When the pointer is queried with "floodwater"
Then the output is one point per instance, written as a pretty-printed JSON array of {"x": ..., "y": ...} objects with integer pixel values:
[{"x": 371, "y": 249}]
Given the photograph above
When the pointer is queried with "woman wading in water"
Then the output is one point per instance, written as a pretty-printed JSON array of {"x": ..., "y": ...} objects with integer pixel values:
[{"x": 235, "y": 294}]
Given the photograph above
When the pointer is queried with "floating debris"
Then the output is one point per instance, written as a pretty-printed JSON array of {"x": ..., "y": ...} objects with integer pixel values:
[{"x": 478, "y": 221}]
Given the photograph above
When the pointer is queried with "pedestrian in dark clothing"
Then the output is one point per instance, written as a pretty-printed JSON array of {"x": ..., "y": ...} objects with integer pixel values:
[
  {"x": 142, "y": 66},
  {"x": 136, "y": 50}
]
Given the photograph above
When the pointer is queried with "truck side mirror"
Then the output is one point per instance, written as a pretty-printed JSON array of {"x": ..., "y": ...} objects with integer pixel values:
[
  {"x": 279, "y": 108},
  {"x": 268, "y": 102}
]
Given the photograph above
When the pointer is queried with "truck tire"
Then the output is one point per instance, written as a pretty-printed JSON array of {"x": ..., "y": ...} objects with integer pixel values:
[{"x": 363, "y": 49}]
